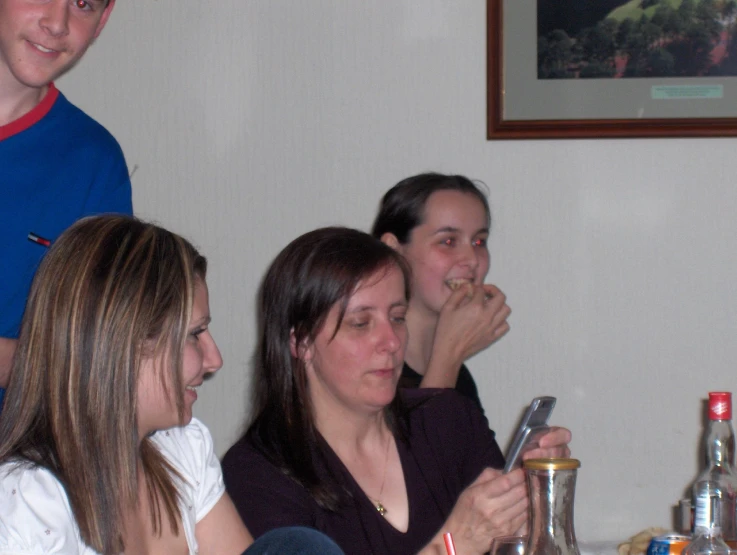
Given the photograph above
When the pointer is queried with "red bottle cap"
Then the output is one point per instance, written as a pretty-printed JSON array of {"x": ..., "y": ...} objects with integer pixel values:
[{"x": 720, "y": 405}]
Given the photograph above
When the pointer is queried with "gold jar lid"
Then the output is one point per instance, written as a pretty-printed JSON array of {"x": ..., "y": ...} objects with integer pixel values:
[{"x": 551, "y": 464}]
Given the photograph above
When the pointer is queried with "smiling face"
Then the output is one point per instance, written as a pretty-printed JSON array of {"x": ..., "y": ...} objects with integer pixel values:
[
  {"x": 357, "y": 369},
  {"x": 157, "y": 408},
  {"x": 447, "y": 249},
  {"x": 41, "y": 39}
]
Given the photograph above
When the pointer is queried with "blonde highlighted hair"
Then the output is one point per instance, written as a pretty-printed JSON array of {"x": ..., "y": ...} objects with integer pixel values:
[{"x": 110, "y": 291}]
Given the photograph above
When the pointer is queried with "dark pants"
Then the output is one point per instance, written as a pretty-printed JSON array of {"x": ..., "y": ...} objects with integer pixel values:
[{"x": 294, "y": 541}]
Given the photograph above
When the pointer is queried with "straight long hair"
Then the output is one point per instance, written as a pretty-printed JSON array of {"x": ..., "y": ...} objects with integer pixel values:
[
  {"x": 312, "y": 274},
  {"x": 110, "y": 291}
]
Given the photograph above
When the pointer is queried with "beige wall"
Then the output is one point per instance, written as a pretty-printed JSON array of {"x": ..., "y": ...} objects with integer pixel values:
[{"x": 252, "y": 121}]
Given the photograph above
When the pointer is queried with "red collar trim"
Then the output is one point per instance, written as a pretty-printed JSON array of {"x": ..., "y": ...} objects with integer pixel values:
[{"x": 32, "y": 117}]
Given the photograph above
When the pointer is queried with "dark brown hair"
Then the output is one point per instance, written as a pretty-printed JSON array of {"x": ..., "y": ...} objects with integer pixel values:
[
  {"x": 312, "y": 274},
  {"x": 403, "y": 206}
]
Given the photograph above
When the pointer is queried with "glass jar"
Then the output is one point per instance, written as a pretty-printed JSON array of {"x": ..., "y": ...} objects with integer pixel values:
[{"x": 552, "y": 485}]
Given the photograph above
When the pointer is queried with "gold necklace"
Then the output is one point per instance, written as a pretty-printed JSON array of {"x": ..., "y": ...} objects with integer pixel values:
[{"x": 378, "y": 505}]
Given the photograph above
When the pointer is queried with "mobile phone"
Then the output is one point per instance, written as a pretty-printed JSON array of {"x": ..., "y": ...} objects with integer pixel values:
[{"x": 533, "y": 425}]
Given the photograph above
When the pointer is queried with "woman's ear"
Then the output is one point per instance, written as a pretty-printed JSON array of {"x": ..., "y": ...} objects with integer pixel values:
[
  {"x": 301, "y": 351},
  {"x": 390, "y": 239}
]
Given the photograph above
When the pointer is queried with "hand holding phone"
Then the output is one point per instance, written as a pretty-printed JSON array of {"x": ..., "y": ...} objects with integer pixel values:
[{"x": 533, "y": 426}]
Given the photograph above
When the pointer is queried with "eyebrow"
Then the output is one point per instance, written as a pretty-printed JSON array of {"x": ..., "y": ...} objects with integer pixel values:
[
  {"x": 450, "y": 229},
  {"x": 203, "y": 321},
  {"x": 363, "y": 308}
]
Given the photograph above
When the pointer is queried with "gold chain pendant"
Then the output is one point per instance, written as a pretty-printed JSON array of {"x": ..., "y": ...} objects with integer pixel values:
[{"x": 380, "y": 508}]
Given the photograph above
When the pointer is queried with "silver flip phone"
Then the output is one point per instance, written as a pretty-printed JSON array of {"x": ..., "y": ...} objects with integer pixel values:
[{"x": 533, "y": 425}]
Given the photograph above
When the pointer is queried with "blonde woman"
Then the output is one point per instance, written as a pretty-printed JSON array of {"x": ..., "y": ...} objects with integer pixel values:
[{"x": 99, "y": 452}]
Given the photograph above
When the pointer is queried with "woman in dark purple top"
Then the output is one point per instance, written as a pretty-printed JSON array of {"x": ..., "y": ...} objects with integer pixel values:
[
  {"x": 333, "y": 446},
  {"x": 448, "y": 444},
  {"x": 440, "y": 223}
]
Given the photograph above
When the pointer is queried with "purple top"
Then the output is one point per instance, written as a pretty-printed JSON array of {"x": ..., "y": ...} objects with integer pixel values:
[
  {"x": 465, "y": 384},
  {"x": 448, "y": 444}
]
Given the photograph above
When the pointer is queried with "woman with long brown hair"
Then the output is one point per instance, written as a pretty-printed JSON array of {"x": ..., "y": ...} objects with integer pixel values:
[
  {"x": 334, "y": 445},
  {"x": 99, "y": 452}
]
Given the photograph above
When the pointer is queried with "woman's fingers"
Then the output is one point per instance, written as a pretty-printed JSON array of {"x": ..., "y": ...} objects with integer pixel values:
[
  {"x": 553, "y": 444},
  {"x": 495, "y": 504},
  {"x": 493, "y": 293},
  {"x": 459, "y": 297},
  {"x": 499, "y": 492},
  {"x": 555, "y": 437},
  {"x": 472, "y": 323},
  {"x": 502, "y": 502}
]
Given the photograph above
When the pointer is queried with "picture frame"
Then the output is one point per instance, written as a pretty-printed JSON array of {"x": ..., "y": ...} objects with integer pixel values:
[{"x": 521, "y": 106}]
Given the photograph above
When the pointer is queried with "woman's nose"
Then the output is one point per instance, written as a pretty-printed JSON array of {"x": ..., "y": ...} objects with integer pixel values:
[
  {"x": 390, "y": 339},
  {"x": 213, "y": 359},
  {"x": 469, "y": 257}
]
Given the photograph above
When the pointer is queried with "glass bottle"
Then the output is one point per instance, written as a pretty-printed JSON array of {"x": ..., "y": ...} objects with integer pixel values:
[
  {"x": 707, "y": 539},
  {"x": 552, "y": 484},
  {"x": 717, "y": 484}
]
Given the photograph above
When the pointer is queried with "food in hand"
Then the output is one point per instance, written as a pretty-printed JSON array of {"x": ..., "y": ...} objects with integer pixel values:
[{"x": 456, "y": 283}]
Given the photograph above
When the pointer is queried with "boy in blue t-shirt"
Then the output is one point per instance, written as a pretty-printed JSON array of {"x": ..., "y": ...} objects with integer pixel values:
[{"x": 56, "y": 163}]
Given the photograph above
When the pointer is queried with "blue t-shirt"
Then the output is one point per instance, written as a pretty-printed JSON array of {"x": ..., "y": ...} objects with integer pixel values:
[{"x": 57, "y": 165}]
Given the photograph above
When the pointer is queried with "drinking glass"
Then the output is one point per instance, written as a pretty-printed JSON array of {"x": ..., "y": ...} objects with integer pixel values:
[{"x": 508, "y": 545}]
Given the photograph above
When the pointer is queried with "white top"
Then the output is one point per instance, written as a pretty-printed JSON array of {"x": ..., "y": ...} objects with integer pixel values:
[{"x": 35, "y": 516}]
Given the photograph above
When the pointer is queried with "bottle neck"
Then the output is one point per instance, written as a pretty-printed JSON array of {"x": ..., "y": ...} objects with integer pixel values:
[
  {"x": 708, "y": 531},
  {"x": 719, "y": 443}
]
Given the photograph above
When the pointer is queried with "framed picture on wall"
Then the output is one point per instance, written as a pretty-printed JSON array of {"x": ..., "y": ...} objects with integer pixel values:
[{"x": 611, "y": 68}]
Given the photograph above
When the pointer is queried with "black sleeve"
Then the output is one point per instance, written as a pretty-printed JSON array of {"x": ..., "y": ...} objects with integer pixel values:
[
  {"x": 409, "y": 378},
  {"x": 264, "y": 496},
  {"x": 466, "y": 386},
  {"x": 451, "y": 433}
]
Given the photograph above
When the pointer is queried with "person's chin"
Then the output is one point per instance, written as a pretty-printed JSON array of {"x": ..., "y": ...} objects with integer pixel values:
[
  {"x": 186, "y": 417},
  {"x": 41, "y": 74},
  {"x": 386, "y": 398}
]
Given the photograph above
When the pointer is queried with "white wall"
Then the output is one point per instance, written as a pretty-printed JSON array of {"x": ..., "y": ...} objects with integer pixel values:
[{"x": 252, "y": 121}]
